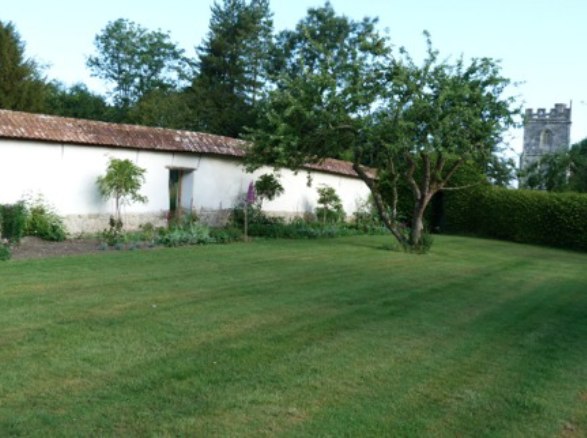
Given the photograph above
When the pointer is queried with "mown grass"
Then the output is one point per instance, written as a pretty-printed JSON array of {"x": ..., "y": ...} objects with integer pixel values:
[{"x": 297, "y": 338}]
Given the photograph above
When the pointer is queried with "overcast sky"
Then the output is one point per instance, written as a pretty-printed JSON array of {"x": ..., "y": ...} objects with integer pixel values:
[{"x": 540, "y": 43}]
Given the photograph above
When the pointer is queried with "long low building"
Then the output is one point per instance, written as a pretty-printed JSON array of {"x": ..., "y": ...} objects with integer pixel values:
[{"x": 61, "y": 158}]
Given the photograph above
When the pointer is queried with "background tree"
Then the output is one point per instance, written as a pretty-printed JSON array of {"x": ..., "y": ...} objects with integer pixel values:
[
  {"x": 136, "y": 61},
  {"x": 79, "y": 102},
  {"x": 328, "y": 73},
  {"x": 559, "y": 172},
  {"x": 22, "y": 86},
  {"x": 501, "y": 171},
  {"x": 164, "y": 109},
  {"x": 549, "y": 173},
  {"x": 578, "y": 168},
  {"x": 122, "y": 182},
  {"x": 342, "y": 91},
  {"x": 232, "y": 66}
]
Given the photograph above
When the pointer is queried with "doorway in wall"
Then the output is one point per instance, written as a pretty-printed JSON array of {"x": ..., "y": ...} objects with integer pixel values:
[{"x": 180, "y": 192}]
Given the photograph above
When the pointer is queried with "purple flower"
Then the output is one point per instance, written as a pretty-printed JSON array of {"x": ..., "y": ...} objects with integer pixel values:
[{"x": 251, "y": 195}]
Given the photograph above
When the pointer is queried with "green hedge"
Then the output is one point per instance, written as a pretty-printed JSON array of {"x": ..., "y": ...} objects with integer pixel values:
[
  {"x": 526, "y": 216},
  {"x": 299, "y": 229},
  {"x": 13, "y": 218}
]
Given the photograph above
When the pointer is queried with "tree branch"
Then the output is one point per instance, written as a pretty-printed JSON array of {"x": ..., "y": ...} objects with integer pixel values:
[
  {"x": 394, "y": 194},
  {"x": 451, "y": 172},
  {"x": 427, "y": 174},
  {"x": 410, "y": 176},
  {"x": 380, "y": 206},
  {"x": 466, "y": 186},
  {"x": 440, "y": 162}
]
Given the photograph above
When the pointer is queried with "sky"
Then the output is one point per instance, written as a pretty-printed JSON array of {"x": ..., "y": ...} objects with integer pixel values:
[{"x": 540, "y": 43}]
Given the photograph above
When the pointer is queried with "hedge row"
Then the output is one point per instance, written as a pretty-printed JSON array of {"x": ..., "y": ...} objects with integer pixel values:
[
  {"x": 526, "y": 216},
  {"x": 13, "y": 218}
]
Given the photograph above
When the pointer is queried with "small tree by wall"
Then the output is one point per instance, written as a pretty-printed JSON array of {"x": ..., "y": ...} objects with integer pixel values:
[
  {"x": 268, "y": 187},
  {"x": 122, "y": 182},
  {"x": 330, "y": 205}
]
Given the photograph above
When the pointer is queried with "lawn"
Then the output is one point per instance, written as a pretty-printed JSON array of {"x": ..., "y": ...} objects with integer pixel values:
[{"x": 297, "y": 338}]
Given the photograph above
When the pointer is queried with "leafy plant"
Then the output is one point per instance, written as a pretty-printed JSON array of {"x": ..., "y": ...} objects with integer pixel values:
[
  {"x": 123, "y": 181},
  {"x": 254, "y": 214},
  {"x": 194, "y": 234},
  {"x": 113, "y": 235},
  {"x": 268, "y": 187},
  {"x": 331, "y": 206},
  {"x": 226, "y": 235},
  {"x": 148, "y": 233},
  {"x": 185, "y": 232},
  {"x": 13, "y": 220},
  {"x": 301, "y": 229},
  {"x": 366, "y": 217},
  {"x": 43, "y": 221},
  {"x": 5, "y": 252}
]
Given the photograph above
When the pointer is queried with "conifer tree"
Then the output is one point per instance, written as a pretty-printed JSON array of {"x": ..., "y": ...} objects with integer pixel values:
[
  {"x": 232, "y": 66},
  {"x": 22, "y": 86}
]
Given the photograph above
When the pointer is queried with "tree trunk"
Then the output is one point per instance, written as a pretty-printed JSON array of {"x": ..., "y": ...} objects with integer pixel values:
[
  {"x": 418, "y": 220},
  {"x": 118, "y": 214},
  {"x": 417, "y": 229},
  {"x": 389, "y": 222}
]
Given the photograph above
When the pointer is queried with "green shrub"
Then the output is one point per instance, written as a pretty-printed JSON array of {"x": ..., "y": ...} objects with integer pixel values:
[
  {"x": 43, "y": 222},
  {"x": 299, "y": 229},
  {"x": 254, "y": 216},
  {"x": 526, "y": 216},
  {"x": 14, "y": 220},
  {"x": 192, "y": 234},
  {"x": 425, "y": 244},
  {"x": 330, "y": 216},
  {"x": 366, "y": 219},
  {"x": 226, "y": 235},
  {"x": 113, "y": 235},
  {"x": 5, "y": 252},
  {"x": 148, "y": 233}
]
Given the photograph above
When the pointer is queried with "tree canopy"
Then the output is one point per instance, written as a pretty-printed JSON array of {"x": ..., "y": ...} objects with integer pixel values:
[
  {"x": 136, "y": 61},
  {"x": 22, "y": 86},
  {"x": 559, "y": 172},
  {"x": 344, "y": 92},
  {"x": 122, "y": 182},
  {"x": 77, "y": 101}
]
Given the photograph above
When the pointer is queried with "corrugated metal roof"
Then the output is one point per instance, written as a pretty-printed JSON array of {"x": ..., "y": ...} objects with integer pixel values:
[{"x": 54, "y": 129}]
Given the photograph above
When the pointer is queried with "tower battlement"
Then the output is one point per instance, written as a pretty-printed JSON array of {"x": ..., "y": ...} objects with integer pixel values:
[
  {"x": 545, "y": 132},
  {"x": 560, "y": 113}
]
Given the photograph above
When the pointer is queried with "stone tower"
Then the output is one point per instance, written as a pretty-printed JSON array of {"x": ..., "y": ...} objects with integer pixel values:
[{"x": 545, "y": 133}]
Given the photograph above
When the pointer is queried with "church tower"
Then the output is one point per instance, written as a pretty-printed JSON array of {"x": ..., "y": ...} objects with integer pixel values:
[{"x": 545, "y": 133}]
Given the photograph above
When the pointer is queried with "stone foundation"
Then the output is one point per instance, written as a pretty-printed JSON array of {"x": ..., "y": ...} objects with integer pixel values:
[{"x": 77, "y": 225}]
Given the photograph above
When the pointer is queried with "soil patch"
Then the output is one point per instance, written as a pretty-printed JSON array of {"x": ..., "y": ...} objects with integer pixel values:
[{"x": 35, "y": 248}]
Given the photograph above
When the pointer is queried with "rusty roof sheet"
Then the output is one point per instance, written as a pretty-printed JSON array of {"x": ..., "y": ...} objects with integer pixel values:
[{"x": 54, "y": 129}]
